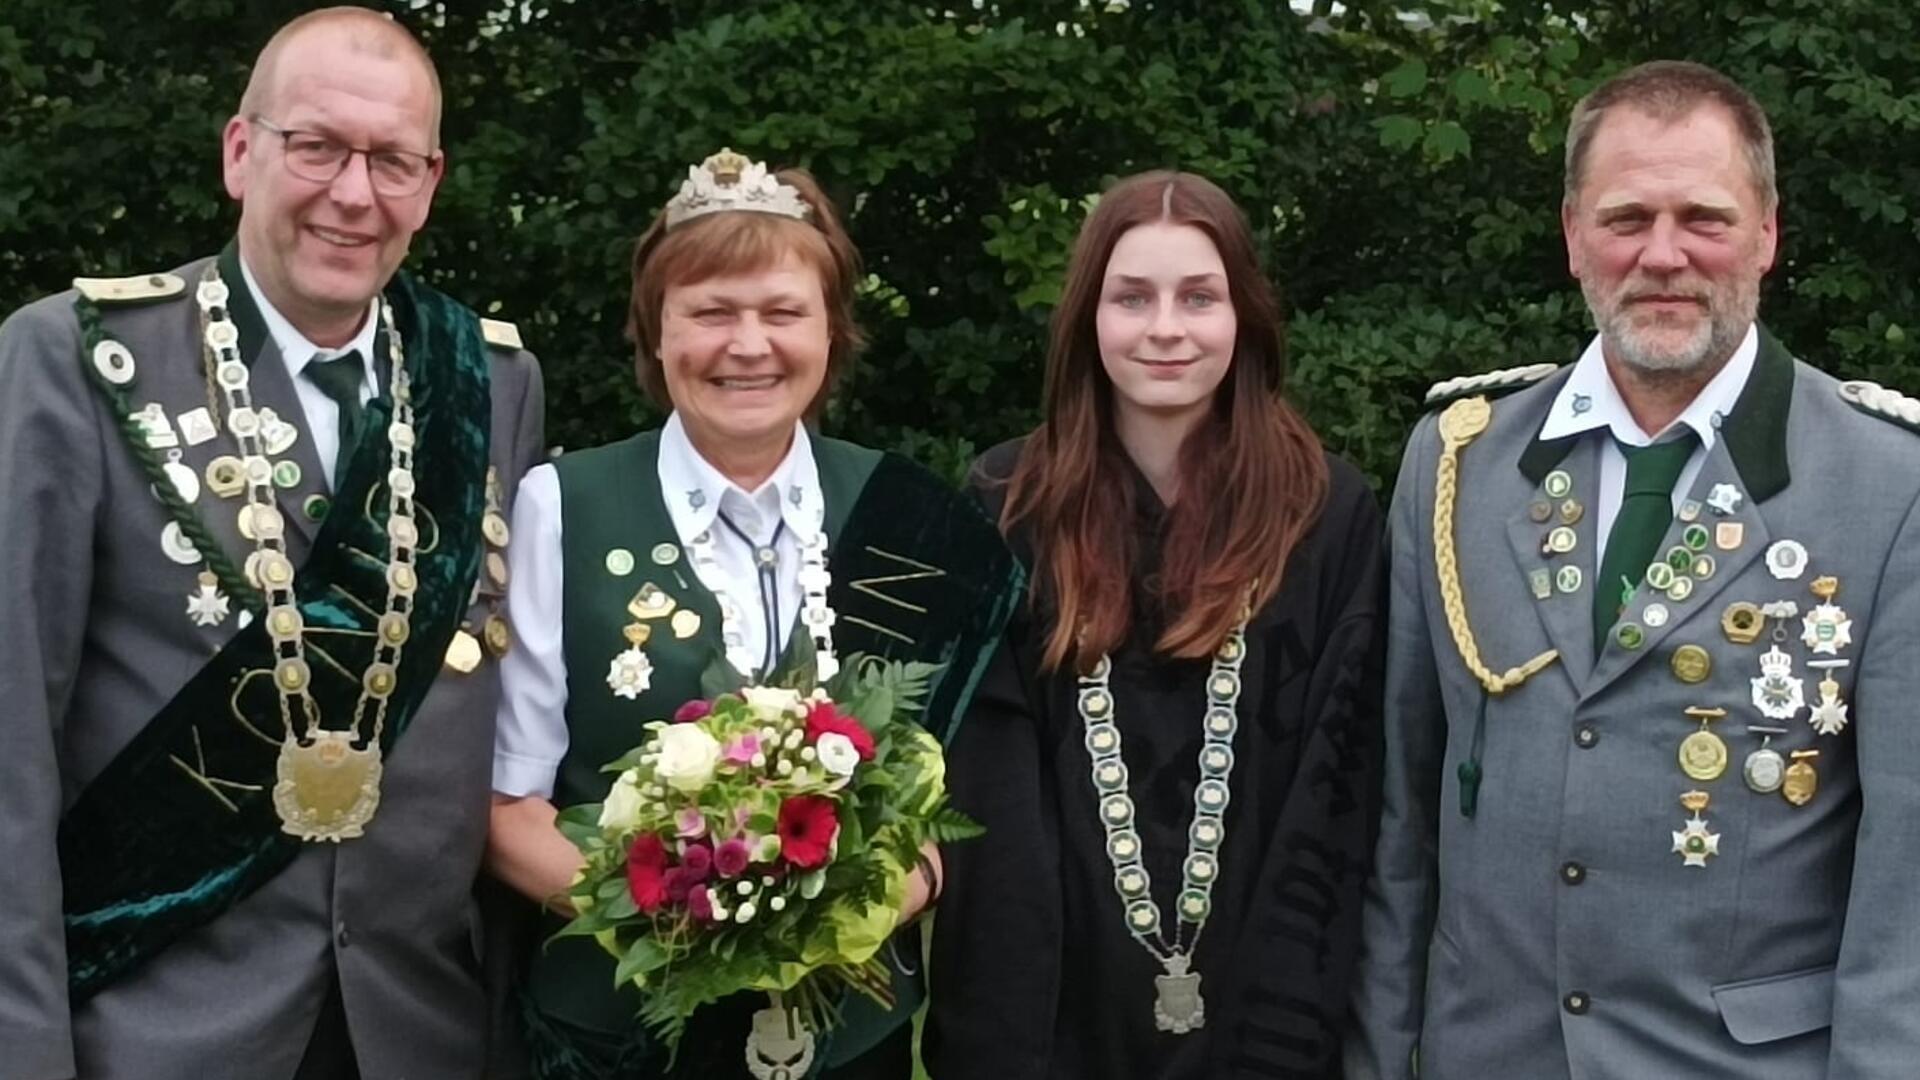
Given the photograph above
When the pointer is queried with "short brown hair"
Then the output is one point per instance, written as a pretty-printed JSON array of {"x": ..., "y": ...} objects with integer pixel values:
[
  {"x": 743, "y": 242},
  {"x": 369, "y": 32},
  {"x": 1670, "y": 90}
]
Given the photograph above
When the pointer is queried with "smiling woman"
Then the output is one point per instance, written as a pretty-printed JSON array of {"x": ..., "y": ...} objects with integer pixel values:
[
  {"x": 699, "y": 548},
  {"x": 1175, "y": 749}
]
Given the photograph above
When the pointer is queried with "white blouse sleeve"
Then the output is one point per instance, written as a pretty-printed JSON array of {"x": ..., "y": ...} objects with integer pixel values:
[{"x": 530, "y": 734}]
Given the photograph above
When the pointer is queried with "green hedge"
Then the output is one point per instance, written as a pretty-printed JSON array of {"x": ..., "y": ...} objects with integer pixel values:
[{"x": 1401, "y": 162}]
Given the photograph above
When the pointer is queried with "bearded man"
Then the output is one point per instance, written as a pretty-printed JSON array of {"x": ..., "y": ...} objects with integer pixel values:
[{"x": 1651, "y": 793}]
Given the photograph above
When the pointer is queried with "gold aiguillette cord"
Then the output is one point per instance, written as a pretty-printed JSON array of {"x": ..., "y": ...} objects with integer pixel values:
[{"x": 1460, "y": 424}]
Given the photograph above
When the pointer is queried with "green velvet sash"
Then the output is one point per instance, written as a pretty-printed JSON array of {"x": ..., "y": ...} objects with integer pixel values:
[{"x": 180, "y": 826}]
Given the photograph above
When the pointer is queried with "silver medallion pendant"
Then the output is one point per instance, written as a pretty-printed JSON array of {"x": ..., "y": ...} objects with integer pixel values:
[
  {"x": 1765, "y": 770},
  {"x": 1177, "y": 1005},
  {"x": 780, "y": 1047}
]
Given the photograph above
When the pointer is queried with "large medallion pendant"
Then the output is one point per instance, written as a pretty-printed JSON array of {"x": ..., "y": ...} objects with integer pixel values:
[
  {"x": 1177, "y": 1005},
  {"x": 328, "y": 790},
  {"x": 780, "y": 1047}
]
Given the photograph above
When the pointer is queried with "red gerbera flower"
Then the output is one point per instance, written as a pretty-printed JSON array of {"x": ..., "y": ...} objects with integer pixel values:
[
  {"x": 808, "y": 824},
  {"x": 822, "y": 718},
  {"x": 647, "y": 872}
]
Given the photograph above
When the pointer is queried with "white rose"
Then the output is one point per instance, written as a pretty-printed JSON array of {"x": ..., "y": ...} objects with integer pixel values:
[
  {"x": 772, "y": 702},
  {"x": 837, "y": 753},
  {"x": 687, "y": 757},
  {"x": 622, "y": 809}
]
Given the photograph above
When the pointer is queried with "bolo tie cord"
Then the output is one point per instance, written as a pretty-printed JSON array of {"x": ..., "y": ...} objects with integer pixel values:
[{"x": 766, "y": 562}]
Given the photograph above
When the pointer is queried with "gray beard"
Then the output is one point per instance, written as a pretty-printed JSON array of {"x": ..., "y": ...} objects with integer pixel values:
[{"x": 1713, "y": 341}]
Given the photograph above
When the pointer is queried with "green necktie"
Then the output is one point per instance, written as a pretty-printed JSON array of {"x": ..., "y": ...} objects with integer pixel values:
[
  {"x": 341, "y": 379},
  {"x": 1646, "y": 510}
]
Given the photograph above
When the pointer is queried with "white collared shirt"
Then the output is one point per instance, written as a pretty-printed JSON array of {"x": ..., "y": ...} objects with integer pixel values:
[
  {"x": 1589, "y": 401},
  {"x": 322, "y": 414},
  {"x": 531, "y": 729}
]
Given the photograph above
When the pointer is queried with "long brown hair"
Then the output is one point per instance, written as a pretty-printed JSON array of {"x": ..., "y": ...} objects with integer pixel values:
[{"x": 1252, "y": 475}]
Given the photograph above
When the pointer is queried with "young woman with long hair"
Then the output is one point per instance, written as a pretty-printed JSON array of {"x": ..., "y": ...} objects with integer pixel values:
[{"x": 1175, "y": 752}]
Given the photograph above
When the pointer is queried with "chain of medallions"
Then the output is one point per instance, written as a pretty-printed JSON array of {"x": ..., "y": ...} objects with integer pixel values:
[{"x": 1208, "y": 830}]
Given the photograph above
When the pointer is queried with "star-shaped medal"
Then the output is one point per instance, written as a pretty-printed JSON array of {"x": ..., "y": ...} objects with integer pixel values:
[
  {"x": 1827, "y": 629},
  {"x": 1777, "y": 692},
  {"x": 630, "y": 674},
  {"x": 1694, "y": 843},
  {"x": 207, "y": 606}
]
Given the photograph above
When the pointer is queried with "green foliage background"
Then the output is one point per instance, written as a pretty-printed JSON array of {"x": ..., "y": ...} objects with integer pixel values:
[{"x": 1401, "y": 162}]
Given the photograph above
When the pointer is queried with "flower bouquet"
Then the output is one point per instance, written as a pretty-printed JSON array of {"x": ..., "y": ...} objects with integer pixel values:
[{"x": 762, "y": 839}]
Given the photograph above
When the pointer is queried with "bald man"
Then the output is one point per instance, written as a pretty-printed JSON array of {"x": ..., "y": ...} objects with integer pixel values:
[{"x": 254, "y": 516}]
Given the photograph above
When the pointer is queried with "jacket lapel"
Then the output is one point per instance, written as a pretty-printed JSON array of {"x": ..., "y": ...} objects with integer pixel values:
[
  {"x": 1567, "y": 616},
  {"x": 1727, "y": 564},
  {"x": 272, "y": 388},
  {"x": 1750, "y": 457}
]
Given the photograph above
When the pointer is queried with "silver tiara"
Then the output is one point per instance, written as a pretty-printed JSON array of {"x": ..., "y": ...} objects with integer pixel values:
[{"x": 730, "y": 181}]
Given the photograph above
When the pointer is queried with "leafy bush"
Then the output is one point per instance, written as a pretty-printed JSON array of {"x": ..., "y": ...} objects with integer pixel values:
[{"x": 1400, "y": 162}]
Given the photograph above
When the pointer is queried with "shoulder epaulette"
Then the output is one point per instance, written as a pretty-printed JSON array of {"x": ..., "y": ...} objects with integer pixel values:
[
  {"x": 500, "y": 334},
  {"x": 139, "y": 289},
  {"x": 1886, "y": 403},
  {"x": 1489, "y": 383}
]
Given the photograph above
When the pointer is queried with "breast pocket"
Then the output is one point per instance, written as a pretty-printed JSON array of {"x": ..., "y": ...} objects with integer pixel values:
[{"x": 1776, "y": 1007}]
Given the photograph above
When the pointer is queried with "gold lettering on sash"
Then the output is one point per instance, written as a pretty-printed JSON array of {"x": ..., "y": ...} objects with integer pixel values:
[
  {"x": 240, "y": 713},
  {"x": 917, "y": 571},
  {"x": 214, "y": 785},
  {"x": 923, "y": 572}
]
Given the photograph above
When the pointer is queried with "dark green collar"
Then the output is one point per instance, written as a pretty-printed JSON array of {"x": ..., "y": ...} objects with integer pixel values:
[
  {"x": 245, "y": 313},
  {"x": 241, "y": 307},
  {"x": 1755, "y": 430}
]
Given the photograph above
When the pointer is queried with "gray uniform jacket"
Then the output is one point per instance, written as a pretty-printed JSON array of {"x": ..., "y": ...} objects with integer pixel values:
[
  {"x": 95, "y": 639},
  {"x": 1557, "y": 933}
]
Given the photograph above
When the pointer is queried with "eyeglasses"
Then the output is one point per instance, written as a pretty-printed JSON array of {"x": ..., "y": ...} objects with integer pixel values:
[{"x": 320, "y": 158}]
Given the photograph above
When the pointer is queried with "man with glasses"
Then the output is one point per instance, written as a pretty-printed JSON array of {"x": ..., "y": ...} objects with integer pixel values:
[{"x": 255, "y": 520}]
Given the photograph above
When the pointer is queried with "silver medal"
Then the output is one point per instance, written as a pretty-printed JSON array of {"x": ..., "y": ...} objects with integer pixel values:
[
  {"x": 1177, "y": 1004},
  {"x": 197, "y": 426},
  {"x": 185, "y": 481},
  {"x": 1765, "y": 769},
  {"x": 176, "y": 545},
  {"x": 1777, "y": 692}
]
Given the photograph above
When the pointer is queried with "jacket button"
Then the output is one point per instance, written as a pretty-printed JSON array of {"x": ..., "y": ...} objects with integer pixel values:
[
  {"x": 1586, "y": 737},
  {"x": 1577, "y": 1003},
  {"x": 340, "y": 935},
  {"x": 1572, "y": 873}
]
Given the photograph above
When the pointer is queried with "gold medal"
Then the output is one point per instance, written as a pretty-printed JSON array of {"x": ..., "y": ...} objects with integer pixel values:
[
  {"x": 495, "y": 529},
  {"x": 1703, "y": 754},
  {"x": 1801, "y": 781},
  {"x": 497, "y": 568},
  {"x": 1742, "y": 622},
  {"x": 685, "y": 623},
  {"x": 636, "y": 633},
  {"x": 1691, "y": 664},
  {"x": 463, "y": 652},
  {"x": 651, "y": 603},
  {"x": 225, "y": 477},
  {"x": 327, "y": 790},
  {"x": 498, "y": 635}
]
